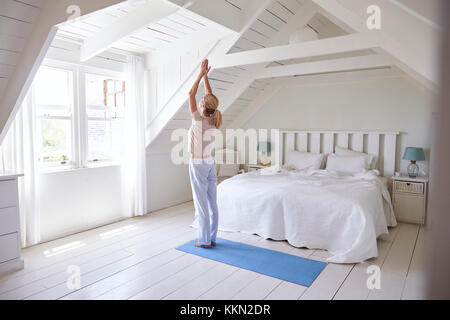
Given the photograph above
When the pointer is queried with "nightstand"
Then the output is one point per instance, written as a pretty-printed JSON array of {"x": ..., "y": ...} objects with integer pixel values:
[{"x": 409, "y": 197}]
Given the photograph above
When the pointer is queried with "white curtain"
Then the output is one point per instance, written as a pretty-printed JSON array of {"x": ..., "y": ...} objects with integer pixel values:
[
  {"x": 18, "y": 155},
  {"x": 134, "y": 174}
]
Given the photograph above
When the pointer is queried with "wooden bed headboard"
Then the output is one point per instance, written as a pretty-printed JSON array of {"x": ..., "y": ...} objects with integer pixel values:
[{"x": 383, "y": 145}]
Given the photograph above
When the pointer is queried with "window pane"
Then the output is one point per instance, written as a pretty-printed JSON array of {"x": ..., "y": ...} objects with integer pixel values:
[
  {"x": 111, "y": 101},
  {"x": 117, "y": 138},
  {"x": 101, "y": 90},
  {"x": 95, "y": 92},
  {"x": 96, "y": 112},
  {"x": 99, "y": 140},
  {"x": 54, "y": 111},
  {"x": 53, "y": 87},
  {"x": 120, "y": 99},
  {"x": 56, "y": 140}
]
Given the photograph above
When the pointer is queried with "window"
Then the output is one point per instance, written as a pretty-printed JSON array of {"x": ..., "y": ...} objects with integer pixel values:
[
  {"x": 54, "y": 100},
  {"x": 105, "y": 101},
  {"x": 80, "y": 115}
]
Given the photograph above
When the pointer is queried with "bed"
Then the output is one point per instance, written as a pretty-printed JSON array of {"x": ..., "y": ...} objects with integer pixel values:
[{"x": 344, "y": 214}]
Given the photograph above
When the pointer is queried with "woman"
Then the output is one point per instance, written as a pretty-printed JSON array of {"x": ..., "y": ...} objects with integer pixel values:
[{"x": 201, "y": 165}]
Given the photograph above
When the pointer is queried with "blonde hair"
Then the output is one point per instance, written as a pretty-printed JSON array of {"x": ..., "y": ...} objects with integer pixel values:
[{"x": 212, "y": 103}]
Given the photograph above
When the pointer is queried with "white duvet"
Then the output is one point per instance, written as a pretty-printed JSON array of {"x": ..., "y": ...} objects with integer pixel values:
[{"x": 313, "y": 209}]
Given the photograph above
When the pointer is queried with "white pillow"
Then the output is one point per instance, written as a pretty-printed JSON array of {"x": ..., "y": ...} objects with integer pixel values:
[
  {"x": 371, "y": 160},
  {"x": 304, "y": 160},
  {"x": 228, "y": 170},
  {"x": 346, "y": 164}
]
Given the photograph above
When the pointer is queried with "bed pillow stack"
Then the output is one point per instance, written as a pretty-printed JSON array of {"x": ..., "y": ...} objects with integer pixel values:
[
  {"x": 349, "y": 162},
  {"x": 346, "y": 164},
  {"x": 304, "y": 160},
  {"x": 371, "y": 160}
]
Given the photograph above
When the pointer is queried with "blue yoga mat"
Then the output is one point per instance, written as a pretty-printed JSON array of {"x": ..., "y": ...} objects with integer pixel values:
[{"x": 272, "y": 263}]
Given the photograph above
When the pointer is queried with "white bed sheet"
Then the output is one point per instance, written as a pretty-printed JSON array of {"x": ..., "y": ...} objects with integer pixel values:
[{"x": 313, "y": 209}]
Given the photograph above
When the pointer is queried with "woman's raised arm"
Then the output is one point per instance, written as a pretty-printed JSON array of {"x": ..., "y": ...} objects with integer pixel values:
[{"x": 193, "y": 92}]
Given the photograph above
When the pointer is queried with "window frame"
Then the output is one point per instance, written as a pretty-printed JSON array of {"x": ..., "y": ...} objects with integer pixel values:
[
  {"x": 73, "y": 128},
  {"x": 113, "y": 75},
  {"x": 79, "y": 118}
]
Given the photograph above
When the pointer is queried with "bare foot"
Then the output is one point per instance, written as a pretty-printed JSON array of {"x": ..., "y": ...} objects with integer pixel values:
[
  {"x": 213, "y": 244},
  {"x": 201, "y": 245}
]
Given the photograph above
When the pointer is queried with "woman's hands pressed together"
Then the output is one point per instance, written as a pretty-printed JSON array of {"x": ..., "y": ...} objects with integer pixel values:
[{"x": 205, "y": 68}]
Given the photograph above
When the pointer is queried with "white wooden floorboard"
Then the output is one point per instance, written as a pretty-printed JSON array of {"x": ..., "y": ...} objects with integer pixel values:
[
  {"x": 195, "y": 288},
  {"x": 174, "y": 281},
  {"x": 415, "y": 287},
  {"x": 107, "y": 270},
  {"x": 123, "y": 277},
  {"x": 81, "y": 259},
  {"x": 37, "y": 264},
  {"x": 140, "y": 284},
  {"x": 38, "y": 288},
  {"x": 328, "y": 282},
  {"x": 144, "y": 264},
  {"x": 258, "y": 289},
  {"x": 286, "y": 291},
  {"x": 230, "y": 286},
  {"x": 395, "y": 268},
  {"x": 355, "y": 286}
]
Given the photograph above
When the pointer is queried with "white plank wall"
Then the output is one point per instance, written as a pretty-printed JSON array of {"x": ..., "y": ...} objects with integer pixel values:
[
  {"x": 373, "y": 146},
  {"x": 167, "y": 75},
  {"x": 290, "y": 141},
  {"x": 390, "y": 145},
  {"x": 342, "y": 140},
  {"x": 328, "y": 143},
  {"x": 302, "y": 139},
  {"x": 357, "y": 142},
  {"x": 314, "y": 144},
  {"x": 325, "y": 142}
]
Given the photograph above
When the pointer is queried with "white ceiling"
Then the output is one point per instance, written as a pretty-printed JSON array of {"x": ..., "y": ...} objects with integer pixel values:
[
  {"x": 16, "y": 23},
  {"x": 169, "y": 31}
]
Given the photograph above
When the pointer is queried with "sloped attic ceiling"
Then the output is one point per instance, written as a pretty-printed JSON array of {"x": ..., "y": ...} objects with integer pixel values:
[
  {"x": 16, "y": 24},
  {"x": 264, "y": 33},
  {"x": 171, "y": 31}
]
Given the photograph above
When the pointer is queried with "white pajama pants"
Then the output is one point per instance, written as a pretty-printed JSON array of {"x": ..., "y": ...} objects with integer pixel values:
[{"x": 204, "y": 192}]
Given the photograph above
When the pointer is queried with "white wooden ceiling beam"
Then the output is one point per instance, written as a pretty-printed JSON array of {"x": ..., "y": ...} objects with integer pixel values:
[
  {"x": 326, "y": 66},
  {"x": 341, "y": 77},
  {"x": 252, "y": 11},
  {"x": 218, "y": 11},
  {"x": 142, "y": 16},
  {"x": 239, "y": 87},
  {"x": 340, "y": 16},
  {"x": 301, "y": 17},
  {"x": 342, "y": 44},
  {"x": 416, "y": 59}
]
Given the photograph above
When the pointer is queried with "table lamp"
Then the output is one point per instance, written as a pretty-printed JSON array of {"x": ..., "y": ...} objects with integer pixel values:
[
  {"x": 413, "y": 155},
  {"x": 265, "y": 147}
]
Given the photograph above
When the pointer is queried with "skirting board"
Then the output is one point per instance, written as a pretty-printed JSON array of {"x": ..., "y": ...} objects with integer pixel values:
[{"x": 11, "y": 265}]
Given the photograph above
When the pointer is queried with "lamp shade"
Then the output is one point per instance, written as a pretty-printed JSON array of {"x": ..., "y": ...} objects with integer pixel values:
[
  {"x": 414, "y": 154},
  {"x": 264, "y": 146}
]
